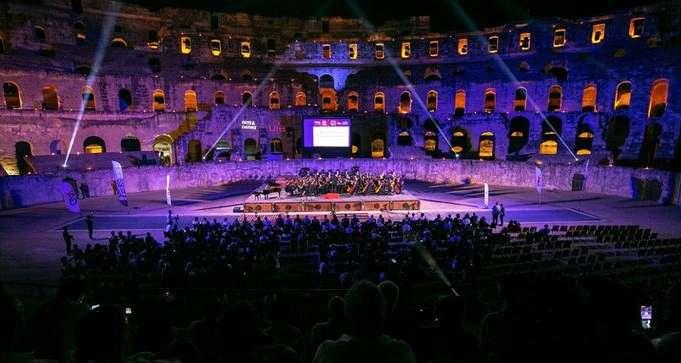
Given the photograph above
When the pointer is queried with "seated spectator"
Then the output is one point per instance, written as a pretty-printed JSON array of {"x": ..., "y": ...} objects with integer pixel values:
[
  {"x": 333, "y": 327},
  {"x": 100, "y": 335},
  {"x": 668, "y": 346},
  {"x": 239, "y": 337},
  {"x": 365, "y": 311},
  {"x": 281, "y": 331}
]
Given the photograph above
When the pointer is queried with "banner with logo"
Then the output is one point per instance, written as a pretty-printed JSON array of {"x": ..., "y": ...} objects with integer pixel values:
[
  {"x": 486, "y": 196},
  {"x": 168, "y": 200},
  {"x": 120, "y": 182},
  {"x": 70, "y": 197},
  {"x": 539, "y": 183}
]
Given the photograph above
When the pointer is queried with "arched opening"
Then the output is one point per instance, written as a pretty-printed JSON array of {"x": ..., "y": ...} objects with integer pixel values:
[
  {"x": 379, "y": 102},
  {"x": 431, "y": 101},
  {"x": 158, "y": 101},
  {"x": 274, "y": 100},
  {"x": 56, "y": 147},
  {"x": 22, "y": 150},
  {"x": 461, "y": 143},
  {"x": 250, "y": 148},
  {"x": 589, "y": 98},
  {"x": 50, "y": 98},
  {"x": 560, "y": 73},
  {"x": 88, "y": 98},
  {"x": 12, "y": 97},
  {"x": 585, "y": 138},
  {"x": 623, "y": 96},
  {"x": 353, "y": 101},
  {"x": 191, "y": 102},
  {"x": 119, "y": 42},
  {"x": 356, "y": 143},
  {"x": 658, "y": 98},
  {"x": 2, "y": 45},
  {"x": 486, "y": 145},
  {"x": 79, "y": 31},
  {"x": 518, "y": 134},
  {"x": 83, "y": 70},
  {"x": 404, "y": 138},
  {"x": 194, "y": 151},
  {"x": 550, "y": 130},
  {"x": 405, "y": 102},
  {"x": 377, "y": 147},
  {"x": 490, "y": 100},
  {"x": 460, "y": 103},
  {"x": 431, "y": 141},
  {"x": 276, "y": 147},
  {"x": 651, "y": 140},
  {"x": 555, "y": 98},
  {"x": 616, "y": 134},
  {"x": 163, "y": 145},
  {"x": 218, "y": 77},
  {"x": 326, "y": 81},
  {"x": 301, "y": 99},
  {"x": 247, "y": 99},
  {"x": 124, "y": 99},
  {"x": 432, "y": 73},
  {"x": 94, "y": 145},
  {"x": 219, "y": 98},
  {"x": 328, "y": 96},
  {"x": 520, "y": 99},
  {"x": 130, "y": 143}
]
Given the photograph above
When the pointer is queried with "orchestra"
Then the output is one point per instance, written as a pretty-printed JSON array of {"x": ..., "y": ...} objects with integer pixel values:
[{"x": 349, "y": 182}]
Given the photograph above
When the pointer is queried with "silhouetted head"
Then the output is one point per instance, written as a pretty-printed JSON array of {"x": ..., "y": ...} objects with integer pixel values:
[
  {"x": 365, "y": 309},
  {"x": 391, "y": 294},
  {"x": 336, "y": 307}
]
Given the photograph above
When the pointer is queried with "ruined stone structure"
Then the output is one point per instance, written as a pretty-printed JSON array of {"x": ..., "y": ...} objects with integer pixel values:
[{"x": 194, "y": 84}]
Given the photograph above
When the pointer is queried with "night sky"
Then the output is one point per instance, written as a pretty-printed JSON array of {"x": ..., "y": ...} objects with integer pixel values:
[{"x": 443, "y": 17}]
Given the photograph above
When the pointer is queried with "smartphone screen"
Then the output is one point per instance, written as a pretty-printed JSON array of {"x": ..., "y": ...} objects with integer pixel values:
[
  {"x": 93, "y": 307},
  {"x": 646, "y": 316},
  {"x": 128, "y": 311}
]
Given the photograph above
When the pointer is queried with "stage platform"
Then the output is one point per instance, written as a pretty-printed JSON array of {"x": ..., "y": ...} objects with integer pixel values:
[{"x": 340, "y": 204}]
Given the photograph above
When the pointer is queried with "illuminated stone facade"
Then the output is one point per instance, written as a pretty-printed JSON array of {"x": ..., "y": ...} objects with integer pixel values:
[{"x": 175, "y": 80}]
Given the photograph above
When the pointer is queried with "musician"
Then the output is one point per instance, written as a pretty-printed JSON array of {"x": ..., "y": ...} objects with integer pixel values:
[{"x": 314, "y": 183}]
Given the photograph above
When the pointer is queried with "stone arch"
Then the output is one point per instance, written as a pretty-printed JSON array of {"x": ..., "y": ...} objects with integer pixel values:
[
  {"x": 555, "y": 98},
  {"x": 191, "y": 101},
  {"x": 219, "y": 98},
  {"x": 651, "y": 140},
  {"x": 326, "y": 81},
  {"x": 353, "y": 101},
  {"x": 461, "y": 142},
  {"x": 622, "y": 96},
  {"x": 118, "y": 42},
  {"x": 250, "y": 147},
  {"x": 486, "y": 145},
  {"x": 459, "y": 102},
  {"x": 83, "y": 69},
  {"x": 550, "y": 130},
  {"x": 355, "y": 143},
  {"x": 405, "y": 102},
  {"x": 432, "y": 73},
  {"x": 404, "y": 138},
  {"x": 328, "y": 97},
  {"x": 218, "y": 77},
  {"x": 247, "y": 99},
  {"x": 274, "y": 100},
  {"x": 163, "y": 145},
  {"x": 584, "y": 140},
  {"x": 130, "y": 143},
  {"x": 518, "y": 134},
  {"x": 490, "y": 100},
  {"x": 22, "y": 150},
  {"x": 12, "y": 96},
  {"x": 88, "y": 95},
  {"x": 658, "y": 98},
  {"x": 2, "y": 45},
  {"x": 301, "y": 99},
  {"x": 247, "y": 76},
  {"x": 616, "y": 134},
  {"x": 559, "y": 72},
  {"x": 158, "y": 101},
  {"x": 520, "y": 99},
  {"x": 194, "y": 150},
  {"x": 276, "y": 146},
  {"x": 79, "y": 31},
  {"x": 379, "y": 101},
  {"x": 56, "y": 147},
  {"x": 94, "y": 145},
  {"x": 377, "y": 146},
  {"x": 589, "y": 96},
  {"x": 124, "y": 99},
  {"x": 50, "y": 99},
  {"x": 431, "y": 100}
]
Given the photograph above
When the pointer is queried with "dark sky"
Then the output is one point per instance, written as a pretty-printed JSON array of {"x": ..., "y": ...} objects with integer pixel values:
[{"x": 483, "y": 12}]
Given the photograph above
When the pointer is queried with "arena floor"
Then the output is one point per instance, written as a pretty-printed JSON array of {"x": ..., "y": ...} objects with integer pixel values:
[{"x": 31, "y": 242}]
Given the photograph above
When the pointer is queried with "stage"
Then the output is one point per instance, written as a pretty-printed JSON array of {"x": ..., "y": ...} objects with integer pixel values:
[{"x": 331, "y": 202}]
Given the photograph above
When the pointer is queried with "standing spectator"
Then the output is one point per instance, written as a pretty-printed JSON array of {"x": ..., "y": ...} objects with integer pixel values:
[
  {"x": 89, "y": 221},
  {"x": 365, "y": 311},
  {"x": 84, "y": 191},
  {"x": 502, "y": 213},
  {"x": 68, "y": 240},
  {"x": 495, "y": 214}
]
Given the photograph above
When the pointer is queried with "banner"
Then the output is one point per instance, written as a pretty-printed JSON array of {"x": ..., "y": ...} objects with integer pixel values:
[
  {"x": 486, "y": 196},
  {"x": 168, "y": 201},
  {"x": 70, "y": 197},
  {"x": 539, "y": 183},
  {"x": 119, "y": 182}
]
